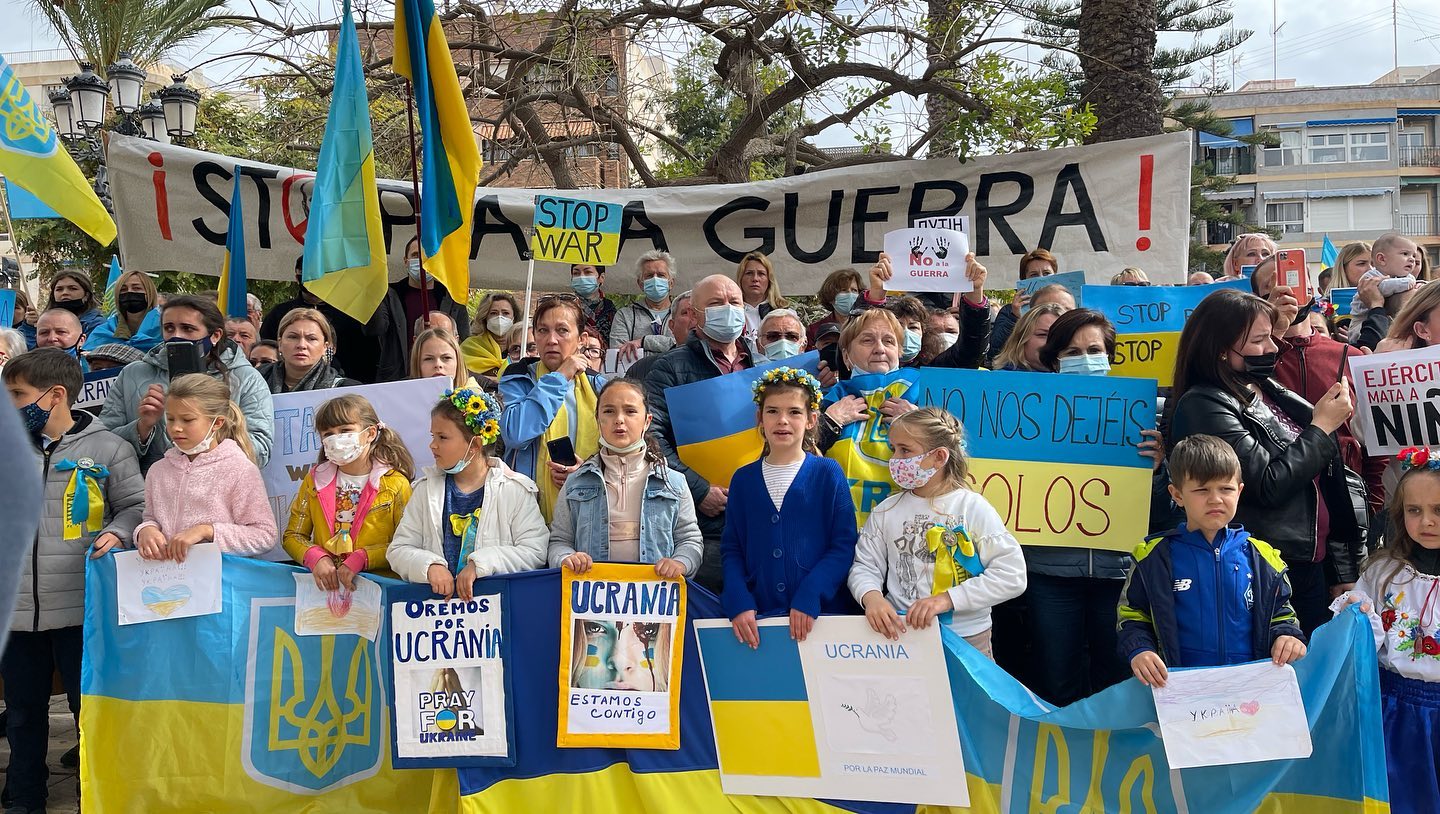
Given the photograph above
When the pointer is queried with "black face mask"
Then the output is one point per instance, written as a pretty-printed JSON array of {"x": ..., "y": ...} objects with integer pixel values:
[
  {"x": 1261, "y": 366},
  {"x": 76, "y": 307},
  {"x": 131, "y": 302},
  {"x": 1304, "y": 313}
]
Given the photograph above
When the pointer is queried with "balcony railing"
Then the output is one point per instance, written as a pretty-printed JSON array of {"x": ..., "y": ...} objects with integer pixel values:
[
  {"x": 1420, "y": 225},
  {"x": 1420, "y": 157}
]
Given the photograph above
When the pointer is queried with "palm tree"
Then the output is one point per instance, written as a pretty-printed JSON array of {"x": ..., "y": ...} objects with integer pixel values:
[
  {"x": 1117, "y": 53},
  {"x": 97, "y": 31}
]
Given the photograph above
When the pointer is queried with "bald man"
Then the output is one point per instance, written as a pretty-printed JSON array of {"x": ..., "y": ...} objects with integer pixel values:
[
  {"x": 716, "y": 347},
  {"x": 59, "y": 328}
]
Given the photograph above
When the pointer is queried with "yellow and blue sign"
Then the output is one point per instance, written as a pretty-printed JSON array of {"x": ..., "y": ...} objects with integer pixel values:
[
  {"x": 266, "y": 720},
  {"x": 1102, "y": 754},
  {"x": 1148, "y": 321},
  {"x": 569, "y": 230},
  {"x": 714, "y": 420}
]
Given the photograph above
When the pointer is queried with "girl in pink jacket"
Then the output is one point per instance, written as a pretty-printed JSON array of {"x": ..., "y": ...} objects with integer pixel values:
[{"x": 207, "y": 487}]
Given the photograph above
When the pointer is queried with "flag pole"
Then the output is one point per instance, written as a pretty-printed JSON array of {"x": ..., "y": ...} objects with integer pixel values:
[
  {"x": 15, "y": 241},
  {"x": 415, "y": 182},
  {"x": 529, "y": 287}
]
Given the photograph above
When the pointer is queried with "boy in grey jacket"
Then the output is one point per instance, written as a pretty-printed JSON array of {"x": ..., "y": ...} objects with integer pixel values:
[{"x": 82, "y": 464}]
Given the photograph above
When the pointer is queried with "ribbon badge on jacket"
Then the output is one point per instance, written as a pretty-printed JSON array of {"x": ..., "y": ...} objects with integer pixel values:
[
  {"x": 465, "y": 526},
  {"x": 84, "y": 501},
  {"x": 961, "y": 560}
]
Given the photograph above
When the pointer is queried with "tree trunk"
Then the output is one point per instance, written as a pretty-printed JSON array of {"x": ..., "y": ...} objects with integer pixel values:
[
  {"x": 942, "y": 111},
  {"x": 1117, "y": 53}
]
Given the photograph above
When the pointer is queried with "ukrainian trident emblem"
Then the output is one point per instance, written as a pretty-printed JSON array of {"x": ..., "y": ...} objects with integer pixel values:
[{"x": 313, "y": 705}]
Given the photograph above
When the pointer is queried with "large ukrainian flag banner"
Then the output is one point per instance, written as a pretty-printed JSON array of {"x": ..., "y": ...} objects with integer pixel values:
[
  {"x": 32, "y": 157},
  {"x": 1100, "y": 755},
  {"x": 233, "y": 712},
  {"x": 450, "y": 167},
  {"x": 863, "y": 449},
  {"x": 714, "y": 420}
]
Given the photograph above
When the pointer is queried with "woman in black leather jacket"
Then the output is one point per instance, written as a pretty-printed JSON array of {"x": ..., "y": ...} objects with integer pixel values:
[{"x": 1286, "y": 447}]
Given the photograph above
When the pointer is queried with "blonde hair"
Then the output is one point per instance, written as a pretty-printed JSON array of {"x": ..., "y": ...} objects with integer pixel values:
[
  {"x": 1136, "y": 275},
  {"x": 1350, "y": 252},
  {"x": 388, "y": 447},
  {"x": 1418, "y": 309},
  {"x": 1240, "y": 246},
  {"x": 302, "y": 314},
  {"x": 1012, "y": 353},
  {"x": 212, "y": 397},
  {"x": 417, "y": 350},
  {"x": 772, "y": 287},
  {"x": 935, "y": 428},
  {"x": 861, "y": 321},
  {"x": 482, "y": 312}
]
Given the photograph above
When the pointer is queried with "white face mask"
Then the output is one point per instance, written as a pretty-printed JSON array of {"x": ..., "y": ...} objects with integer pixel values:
[
  {"x": 205, "y": 443},
  {"x": 947, "y": 340},
  {"x": 499, "y": 324},
  {"x": 343, "y": 448}
]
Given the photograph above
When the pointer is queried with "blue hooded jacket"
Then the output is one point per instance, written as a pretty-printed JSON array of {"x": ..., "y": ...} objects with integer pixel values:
[{"x": 1202, "y": 604}]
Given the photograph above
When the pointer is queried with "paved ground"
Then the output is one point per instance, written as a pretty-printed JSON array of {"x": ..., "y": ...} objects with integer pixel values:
[{"x": 64, "y": 783}]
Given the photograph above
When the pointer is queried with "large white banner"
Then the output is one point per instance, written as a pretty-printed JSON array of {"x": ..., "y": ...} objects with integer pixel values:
[
  {"x": 1099, "y": 208},
  {"x": 403, "y": 406}
]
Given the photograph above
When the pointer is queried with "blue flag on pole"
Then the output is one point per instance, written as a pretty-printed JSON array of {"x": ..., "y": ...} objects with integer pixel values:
[
  {"x": 232, "y": 274},
  {"x": 1328, "y": 254}
]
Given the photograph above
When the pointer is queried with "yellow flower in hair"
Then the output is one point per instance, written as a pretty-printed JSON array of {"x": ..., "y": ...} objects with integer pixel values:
[{"x": 475, "y": 405}]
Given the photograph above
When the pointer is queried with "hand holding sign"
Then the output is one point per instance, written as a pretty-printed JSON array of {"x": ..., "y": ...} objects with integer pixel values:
[{"x": 927, "y": 259}]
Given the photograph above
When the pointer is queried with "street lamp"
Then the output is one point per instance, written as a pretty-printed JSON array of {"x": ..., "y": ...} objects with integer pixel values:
[
  {"x": 89, "y": 93},
  {"x": 64, "y": 113},
  {"x": 128, "y": 81},
  {"x": 152, "y": 121},
  {"x": 181, "y": 104}
]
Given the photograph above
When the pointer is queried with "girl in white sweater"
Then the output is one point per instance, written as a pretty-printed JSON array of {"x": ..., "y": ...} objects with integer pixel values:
[{"x": 936, "y": 549}]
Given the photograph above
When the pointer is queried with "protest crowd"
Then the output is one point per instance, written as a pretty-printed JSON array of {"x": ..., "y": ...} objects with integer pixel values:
[{"x": 1268, "y": 508}]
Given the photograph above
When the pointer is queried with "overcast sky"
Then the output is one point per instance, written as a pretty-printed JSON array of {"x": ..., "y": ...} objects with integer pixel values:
[{"x": 1321, "y": 42}]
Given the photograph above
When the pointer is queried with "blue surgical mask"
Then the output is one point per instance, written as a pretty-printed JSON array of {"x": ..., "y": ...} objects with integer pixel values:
[
  {"x": 34, "y": 416},
  {"x": 911, "y": 347},
  {"x": 412, "y": 267},
  {"x": 459, "y": 465},
  {"x": 845, "y": 302},
  {"x": 656, "y": 289},
  {"x": 724, "y": 323},
  {"x": 1091, "y": 364},
  {"x": 585, "y": 286},
  {"x": 781, "y": 349}
]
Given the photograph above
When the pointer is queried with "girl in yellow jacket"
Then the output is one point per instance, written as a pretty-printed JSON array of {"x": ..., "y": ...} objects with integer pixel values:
[{"x": 350, "y": 503}]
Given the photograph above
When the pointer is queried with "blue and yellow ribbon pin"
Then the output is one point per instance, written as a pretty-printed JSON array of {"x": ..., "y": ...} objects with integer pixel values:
[
  {"x": 465, "y": 526},
  {"x": 961, "y": 562},
  {"x": 84, "y": 501}
]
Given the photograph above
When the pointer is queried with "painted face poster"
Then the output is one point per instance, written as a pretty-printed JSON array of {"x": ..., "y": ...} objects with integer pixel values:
[
  {"x": 452, "y": 705},
  {"x": 622, "y": 633}
]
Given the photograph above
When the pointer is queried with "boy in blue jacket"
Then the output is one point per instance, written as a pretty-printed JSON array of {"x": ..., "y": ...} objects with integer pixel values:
[{"x": 1205, "y": 594}]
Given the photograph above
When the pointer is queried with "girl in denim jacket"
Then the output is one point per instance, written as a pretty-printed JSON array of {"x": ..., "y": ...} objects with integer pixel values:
[{"x": 624, "y": 504}]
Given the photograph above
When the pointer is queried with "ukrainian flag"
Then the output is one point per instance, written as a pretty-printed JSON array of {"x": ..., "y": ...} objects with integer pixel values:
[
  {"x": 231, "y": 297},
  {"x": 547, "y": 778},
  {"x": 233, "y": 712},
  {"x": 108, "y": 305},
  {"x": 1328, "y": 254},
  {"x": 714, "y": 420},
  {"x": 450, "y": 161},
  {"x": 31, "y": 155},
  {"x": 344, "y": 241}
]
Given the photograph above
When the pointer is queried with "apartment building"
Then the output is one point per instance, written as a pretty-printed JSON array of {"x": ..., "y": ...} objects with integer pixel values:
[{"x": 1351, "y": 161}]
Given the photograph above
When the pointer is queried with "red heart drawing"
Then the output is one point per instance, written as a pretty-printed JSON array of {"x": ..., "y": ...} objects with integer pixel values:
[
  {"x": 1250, "y": 707},
  {"x": 339, "y": 602}
]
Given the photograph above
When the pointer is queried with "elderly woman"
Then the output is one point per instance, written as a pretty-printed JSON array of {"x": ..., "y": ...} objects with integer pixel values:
[
  {"x": 12, "y": 344},
  {"x": 647, "y": 316},
  {"x": 759, "y": 288},
  {"x": 551, "y": 399},
  {"x": 136, "y": 321},
  {"x": 307, "y": 344},
  {"x": 484, "y": 350},
  {"x": 1247, "y": 250}
]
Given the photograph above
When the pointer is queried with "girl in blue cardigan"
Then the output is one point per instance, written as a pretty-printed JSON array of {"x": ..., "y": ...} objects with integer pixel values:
[{"x": 790, "y": 522}]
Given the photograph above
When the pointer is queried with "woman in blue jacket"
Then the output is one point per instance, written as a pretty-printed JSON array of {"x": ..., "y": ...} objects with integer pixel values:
[
  {"x": 790, "y": 521},
  {"x": 136, "y": 321}
]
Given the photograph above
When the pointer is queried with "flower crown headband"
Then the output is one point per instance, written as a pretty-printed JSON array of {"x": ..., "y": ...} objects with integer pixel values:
[
  {"x": 787, "y": 375},
  {"x": 480, "y": 411},
  {"x": 1417, "y": 458}
]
